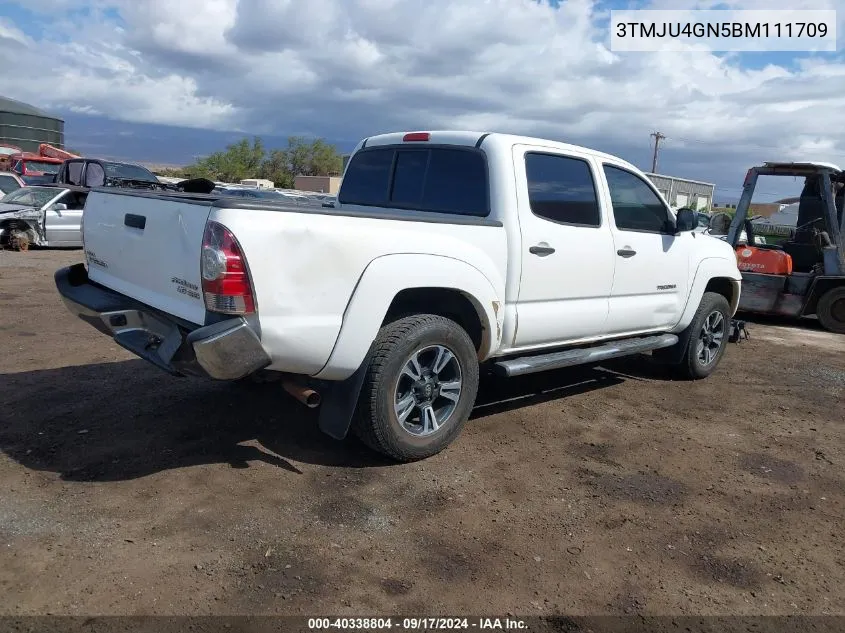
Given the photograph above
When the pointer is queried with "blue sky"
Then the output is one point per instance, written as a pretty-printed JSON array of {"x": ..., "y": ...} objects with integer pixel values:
[{"x": 162, "y": 81}]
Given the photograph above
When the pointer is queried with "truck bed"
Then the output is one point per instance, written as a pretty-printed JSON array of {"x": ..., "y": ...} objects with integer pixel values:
[
  {"x": 304, "y": 260},
  {"x": 222, "y": 201}
]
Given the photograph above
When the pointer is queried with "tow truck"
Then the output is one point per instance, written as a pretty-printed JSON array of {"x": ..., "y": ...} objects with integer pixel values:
[{"x": 40, "y": 168}]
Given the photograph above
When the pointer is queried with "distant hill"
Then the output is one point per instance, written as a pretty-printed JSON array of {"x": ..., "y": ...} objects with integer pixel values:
[{"x": 163, "y": 146}]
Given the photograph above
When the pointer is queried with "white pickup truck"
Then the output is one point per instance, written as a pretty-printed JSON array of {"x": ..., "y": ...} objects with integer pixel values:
[{"x": 444, "y": 251}]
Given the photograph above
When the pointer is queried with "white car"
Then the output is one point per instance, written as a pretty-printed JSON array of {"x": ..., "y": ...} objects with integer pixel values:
[
  {"x": 42, "y": 216},
  {"x": 444, "y": 251},
  {"x": 9, "y": 181}
]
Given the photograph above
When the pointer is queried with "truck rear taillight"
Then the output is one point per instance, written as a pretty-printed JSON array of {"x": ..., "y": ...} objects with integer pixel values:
[{"x": 225, "y": 278}]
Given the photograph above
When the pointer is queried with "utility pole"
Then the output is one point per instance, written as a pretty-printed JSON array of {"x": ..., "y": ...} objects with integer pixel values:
[{"x": 657, "y": 138}]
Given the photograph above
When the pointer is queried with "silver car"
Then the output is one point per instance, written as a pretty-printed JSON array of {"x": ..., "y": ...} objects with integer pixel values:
[{"x": 42, "y": 216}]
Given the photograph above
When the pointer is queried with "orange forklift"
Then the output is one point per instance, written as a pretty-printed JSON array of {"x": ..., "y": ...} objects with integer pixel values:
[{"x": 805, "y": 275}]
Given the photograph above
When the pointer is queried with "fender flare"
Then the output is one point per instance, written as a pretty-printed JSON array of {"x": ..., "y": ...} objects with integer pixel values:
[
  {"x": 709, "y": 268},
  {"x": 379, "y": 284}
]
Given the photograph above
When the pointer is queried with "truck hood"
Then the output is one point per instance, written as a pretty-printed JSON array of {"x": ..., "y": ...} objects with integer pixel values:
[
  {"x": 711, "y": 246},
  {"x": 33, "y": 215}
]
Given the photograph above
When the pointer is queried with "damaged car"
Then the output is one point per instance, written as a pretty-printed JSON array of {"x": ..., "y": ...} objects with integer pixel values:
[{"x": 42, "y": 216}]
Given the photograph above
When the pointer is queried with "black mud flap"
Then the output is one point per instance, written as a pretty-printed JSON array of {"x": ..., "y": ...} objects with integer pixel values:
[
  {"x": 339, "y": 400},
  {"x": 673, "y": 355}
]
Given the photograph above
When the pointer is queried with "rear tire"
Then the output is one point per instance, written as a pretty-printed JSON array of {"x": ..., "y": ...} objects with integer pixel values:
[
  {"x": 708, "y": 337},
  {"x": 830, "y": 310},
  {"x": 419, "y": 389}
]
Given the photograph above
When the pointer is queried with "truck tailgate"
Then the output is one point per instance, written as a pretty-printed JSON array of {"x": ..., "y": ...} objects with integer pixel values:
[{"x": 148, "y": 247}]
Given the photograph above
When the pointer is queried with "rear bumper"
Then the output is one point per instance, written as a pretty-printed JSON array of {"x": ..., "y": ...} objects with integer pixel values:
[{"x": 227, "y": 350}]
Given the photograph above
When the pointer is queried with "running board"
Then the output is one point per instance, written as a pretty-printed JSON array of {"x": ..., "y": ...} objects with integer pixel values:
[{"x": 583, "y": 355}]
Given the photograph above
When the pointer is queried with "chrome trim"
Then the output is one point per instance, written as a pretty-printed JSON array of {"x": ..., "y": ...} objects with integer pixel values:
[{"x": 231, "y": 354}]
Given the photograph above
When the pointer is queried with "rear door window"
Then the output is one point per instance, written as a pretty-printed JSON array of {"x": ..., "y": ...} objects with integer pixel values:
[
  {"x": 561, "y": 189},
  {"x": 438, "y": 179}
]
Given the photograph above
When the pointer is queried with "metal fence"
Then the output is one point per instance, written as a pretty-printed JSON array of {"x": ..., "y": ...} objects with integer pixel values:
[{"x": 777, "y": 230}]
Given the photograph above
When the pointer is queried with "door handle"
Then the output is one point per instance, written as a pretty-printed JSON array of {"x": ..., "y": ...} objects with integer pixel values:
[
  {"x": 541, "y": 249},
  {"x": 135, "y": 221},
  {"x": 626, "y": 252}
]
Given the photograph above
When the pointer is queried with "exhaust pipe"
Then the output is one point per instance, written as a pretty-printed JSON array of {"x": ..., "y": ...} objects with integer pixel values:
[{"x": 305, "y": 395}]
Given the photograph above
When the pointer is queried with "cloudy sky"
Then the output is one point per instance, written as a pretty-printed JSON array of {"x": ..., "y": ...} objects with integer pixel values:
[{"x": 121, "y": 70}]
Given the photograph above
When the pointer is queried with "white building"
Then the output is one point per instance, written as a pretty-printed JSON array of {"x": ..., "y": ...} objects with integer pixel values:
[
  {"x": 257, "y": 182},
  {"x": 683, "y": 192},
  {"x": 786, "y": 216}
]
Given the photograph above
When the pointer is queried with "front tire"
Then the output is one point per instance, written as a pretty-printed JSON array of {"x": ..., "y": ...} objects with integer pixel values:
[
  {"x": 420, "y": 387},
  {"x": 18, "y": 240},
  {"x": 708, "y": 338},
  {"x": 830, "y": 310}
]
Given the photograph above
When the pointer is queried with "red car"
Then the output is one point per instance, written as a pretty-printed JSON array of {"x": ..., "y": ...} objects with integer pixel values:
[{"x": 33, "y": 168}]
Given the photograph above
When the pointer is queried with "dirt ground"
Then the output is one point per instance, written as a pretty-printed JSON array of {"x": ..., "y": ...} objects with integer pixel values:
[{"x": 596, "y": 491}]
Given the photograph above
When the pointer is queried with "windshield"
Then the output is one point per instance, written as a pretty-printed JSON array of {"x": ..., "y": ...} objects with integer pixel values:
[
  {"x": 8, "y": 183},
  {"x": 39, "y": 165},
  {"x": 31, "y": 196},
  {"x": 132, "y": 172}
]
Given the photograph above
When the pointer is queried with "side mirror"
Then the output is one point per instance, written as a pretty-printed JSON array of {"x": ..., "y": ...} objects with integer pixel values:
[
  {"x": 686, "y": 219},
  {"x": 60, "y": 206}
]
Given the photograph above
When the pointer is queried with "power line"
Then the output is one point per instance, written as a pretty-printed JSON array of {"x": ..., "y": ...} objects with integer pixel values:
[{"x": 762, "y": 193}]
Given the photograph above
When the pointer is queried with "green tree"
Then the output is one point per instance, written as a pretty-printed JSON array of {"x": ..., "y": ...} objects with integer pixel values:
[
  {"x": 325, "y": 160},
  {"x": 238, "y": 161},
  {"x": 276, "y": 169},
  {"x": 244, "y": 160},
  {"x": 301, "y": 158},
  {"x": 172, "y": 172}
]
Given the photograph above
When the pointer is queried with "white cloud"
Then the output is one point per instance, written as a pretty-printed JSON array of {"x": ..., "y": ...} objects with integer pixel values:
[
  {"x": 349, "y": 68},
  {"x": 10, "y": 33}
]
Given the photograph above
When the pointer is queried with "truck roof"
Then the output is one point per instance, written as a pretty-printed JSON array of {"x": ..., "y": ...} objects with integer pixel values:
[
  {"x": 803, "y": 165},
  {"x": 475, "y": 139}
]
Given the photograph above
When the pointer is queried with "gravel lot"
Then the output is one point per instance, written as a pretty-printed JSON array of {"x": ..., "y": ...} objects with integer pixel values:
[{"x": 604, "y": 490}]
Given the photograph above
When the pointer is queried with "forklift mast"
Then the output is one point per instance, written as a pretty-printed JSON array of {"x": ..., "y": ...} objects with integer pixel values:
[{"x": 834, "y": 222}]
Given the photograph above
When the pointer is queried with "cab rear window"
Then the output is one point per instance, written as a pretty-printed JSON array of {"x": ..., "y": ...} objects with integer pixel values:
[{"x": 436, "y": 179}]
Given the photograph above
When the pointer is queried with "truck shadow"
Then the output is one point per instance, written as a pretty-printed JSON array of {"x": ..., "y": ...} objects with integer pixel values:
[
  {"x": 500, "y": 395},
  {"x": 124, "y": 420}
]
